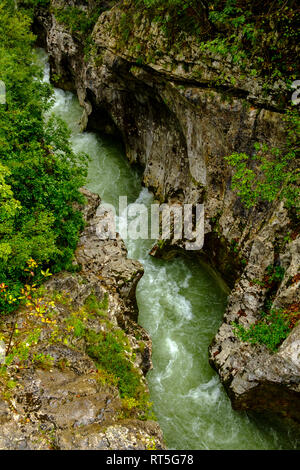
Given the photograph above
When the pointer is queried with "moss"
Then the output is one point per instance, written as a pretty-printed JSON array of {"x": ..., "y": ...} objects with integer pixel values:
[
  {"x": 98, "y": 60},
  {"x": 223, "y": 256}
]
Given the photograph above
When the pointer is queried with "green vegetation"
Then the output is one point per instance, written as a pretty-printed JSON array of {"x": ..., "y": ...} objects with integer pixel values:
[
  {"x": 93, "y": 305},
  {"x": 109, "y": 348},
  {"x": 113, "y": 354},
  {"x": 271, "y": 330},
  {"x": 244, "y": 31},
  {"x": 40, "y": 176},
  {"x": 35, "y": 3},
  {"x": 79, "y": 20},
  {"x": 22, "y": 337},
  {"x": 270, "y": 173},
  {"x": 274, "y": 274},
  {"x": 274, "y": 325}
]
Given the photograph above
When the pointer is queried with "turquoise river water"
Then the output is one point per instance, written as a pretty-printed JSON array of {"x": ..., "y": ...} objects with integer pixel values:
[{"x": 181, "y": 304}]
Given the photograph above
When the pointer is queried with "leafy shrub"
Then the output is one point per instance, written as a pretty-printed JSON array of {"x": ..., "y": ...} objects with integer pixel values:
[
  {"x": 111, "y": 351},
  {"x": 77, "y": 20},
  {"x": 40, "y": 176},
  {"x": 10, "y": 296}
]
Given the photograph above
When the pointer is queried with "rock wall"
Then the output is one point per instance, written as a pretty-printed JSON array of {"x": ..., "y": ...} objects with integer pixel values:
[{"x": 178, "y": 123}]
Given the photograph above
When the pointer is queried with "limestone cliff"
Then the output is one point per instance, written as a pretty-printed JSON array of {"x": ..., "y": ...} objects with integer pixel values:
[{"x": 178, "y": 123}]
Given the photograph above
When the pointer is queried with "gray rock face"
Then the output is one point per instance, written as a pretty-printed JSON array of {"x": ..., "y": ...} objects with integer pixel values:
[{"x": 178, "y": 125}]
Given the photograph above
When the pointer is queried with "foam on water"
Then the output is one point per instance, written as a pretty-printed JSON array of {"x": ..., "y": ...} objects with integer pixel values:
[{"x": 181, "y": 304}]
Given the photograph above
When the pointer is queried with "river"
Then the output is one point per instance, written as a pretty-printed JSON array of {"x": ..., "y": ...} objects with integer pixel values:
[{"x": 181, "y": 303}]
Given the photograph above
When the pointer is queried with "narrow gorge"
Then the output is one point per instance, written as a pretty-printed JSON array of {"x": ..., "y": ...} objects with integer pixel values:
[{"x": 157, "y": 122}]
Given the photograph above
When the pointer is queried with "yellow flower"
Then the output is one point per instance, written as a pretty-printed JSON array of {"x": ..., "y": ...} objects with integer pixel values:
[{"x": 32, "y": 263}]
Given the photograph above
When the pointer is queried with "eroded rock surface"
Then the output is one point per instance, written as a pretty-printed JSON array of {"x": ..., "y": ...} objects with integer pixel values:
[{"x": 70, "y": 411}]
